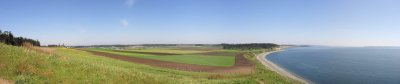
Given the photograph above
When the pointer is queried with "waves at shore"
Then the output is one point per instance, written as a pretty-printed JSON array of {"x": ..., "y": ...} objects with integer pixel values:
[{"x": 273, "y": 67}]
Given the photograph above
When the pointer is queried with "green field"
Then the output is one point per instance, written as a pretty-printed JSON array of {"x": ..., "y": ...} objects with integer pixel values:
[
  {"x": 190, "y": 56},
  {"x": 171, "y": 51},
  {"x": 70, "y": 66}
]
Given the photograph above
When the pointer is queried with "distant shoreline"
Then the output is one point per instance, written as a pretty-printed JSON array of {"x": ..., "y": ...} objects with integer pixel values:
[{"x": 273, "y": 67}]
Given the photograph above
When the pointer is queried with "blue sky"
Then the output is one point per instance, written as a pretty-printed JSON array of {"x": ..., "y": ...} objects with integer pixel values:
[{"x": 317, "y": 22}]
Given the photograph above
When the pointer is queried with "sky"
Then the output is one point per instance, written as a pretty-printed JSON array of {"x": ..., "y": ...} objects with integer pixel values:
[{"x": 310, "y": 22}]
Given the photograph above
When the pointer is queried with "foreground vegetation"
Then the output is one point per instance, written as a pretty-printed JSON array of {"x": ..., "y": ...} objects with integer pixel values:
[{"x": 74, "y": 66}]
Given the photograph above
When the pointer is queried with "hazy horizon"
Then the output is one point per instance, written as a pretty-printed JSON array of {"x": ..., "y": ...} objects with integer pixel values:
[{"x": 106, "y": 22}]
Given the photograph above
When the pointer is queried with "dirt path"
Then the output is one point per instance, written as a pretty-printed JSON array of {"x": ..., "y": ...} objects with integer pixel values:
[{"x": 242, "y": 65}]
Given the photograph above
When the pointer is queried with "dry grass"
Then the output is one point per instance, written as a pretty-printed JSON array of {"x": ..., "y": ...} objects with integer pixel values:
[
  {"x": 215, "y": 76},
  {"x": 47, "y": 73},
  {"x": 62, "y": 58},
  {"x": 1, "y": 65},
  {"x": 3, "y": 81},
  {"x": 26, "y": 68},
  {"x": 44, "y": 50}
]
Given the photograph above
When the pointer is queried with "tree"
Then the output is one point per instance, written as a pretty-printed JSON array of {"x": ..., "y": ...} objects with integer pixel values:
[
  {"x": 1, "y": 37},
  {"x": 8, "y": 38}
]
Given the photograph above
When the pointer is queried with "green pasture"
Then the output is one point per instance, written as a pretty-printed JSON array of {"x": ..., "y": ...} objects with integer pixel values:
[{"x": 186, "y": 58}]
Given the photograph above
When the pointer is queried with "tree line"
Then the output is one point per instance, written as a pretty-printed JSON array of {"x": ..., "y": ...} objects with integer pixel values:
[
  {"x": 7, "y": 37},
  {"x": 250, "y": 46}
]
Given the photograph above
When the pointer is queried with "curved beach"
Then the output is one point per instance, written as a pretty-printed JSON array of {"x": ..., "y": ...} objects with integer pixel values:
[{"x": 273, "y": 67}]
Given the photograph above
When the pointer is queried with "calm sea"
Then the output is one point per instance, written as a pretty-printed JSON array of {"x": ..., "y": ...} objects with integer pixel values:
[{"x": 342, "y": 65}]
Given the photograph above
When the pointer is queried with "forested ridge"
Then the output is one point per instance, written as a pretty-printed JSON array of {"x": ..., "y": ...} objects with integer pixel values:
[{"x": 250, "y": 46}]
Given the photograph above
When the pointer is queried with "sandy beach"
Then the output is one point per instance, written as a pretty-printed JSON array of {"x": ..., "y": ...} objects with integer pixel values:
[{"x": 270, "y": 65}]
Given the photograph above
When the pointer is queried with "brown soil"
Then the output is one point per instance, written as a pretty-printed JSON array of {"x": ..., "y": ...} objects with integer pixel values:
[
  {"x": 242, "y": 65},
  {"x": 151, "y": 53}
]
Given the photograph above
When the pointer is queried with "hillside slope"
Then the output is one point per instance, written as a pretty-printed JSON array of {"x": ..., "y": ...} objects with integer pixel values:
[{"x": 20, "y": 65}]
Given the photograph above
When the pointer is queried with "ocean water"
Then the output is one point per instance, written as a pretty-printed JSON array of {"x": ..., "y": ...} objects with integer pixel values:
[{"x": 342, "y": 65}]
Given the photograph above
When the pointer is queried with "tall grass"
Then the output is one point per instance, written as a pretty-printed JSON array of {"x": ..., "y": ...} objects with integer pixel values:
[{"x": 71, "y": 66}]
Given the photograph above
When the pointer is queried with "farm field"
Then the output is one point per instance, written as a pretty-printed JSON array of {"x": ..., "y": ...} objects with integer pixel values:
[
  {"x": 64, "y": 65},
  {"x": 219, "y": 58},
  {"x": 171, "y": 50}
]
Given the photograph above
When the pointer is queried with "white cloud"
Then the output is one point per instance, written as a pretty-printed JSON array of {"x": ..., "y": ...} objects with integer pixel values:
[
  {"x": 124, "y": 23},
  {"x": 129, "y": 3}
]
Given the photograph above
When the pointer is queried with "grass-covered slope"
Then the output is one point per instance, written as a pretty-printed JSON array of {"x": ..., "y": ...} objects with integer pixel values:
[
  {"x": 71, "y": 66},
  {"x": 25, "y": 66}
]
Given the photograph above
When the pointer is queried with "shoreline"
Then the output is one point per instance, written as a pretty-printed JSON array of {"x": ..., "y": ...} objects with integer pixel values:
[{"x": 276, "y": 68}]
